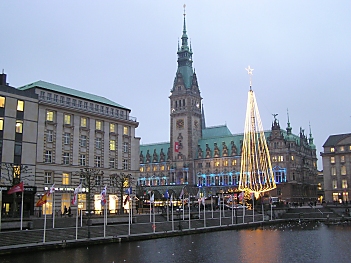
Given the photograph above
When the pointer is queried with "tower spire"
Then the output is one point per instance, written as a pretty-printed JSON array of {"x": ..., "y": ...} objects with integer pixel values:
[
  {"x": 288, "y": 129},
  {"x": 185, "y": 60},
  {"x": 310, "y": 138},
  {"x": 184, "y": 36}
]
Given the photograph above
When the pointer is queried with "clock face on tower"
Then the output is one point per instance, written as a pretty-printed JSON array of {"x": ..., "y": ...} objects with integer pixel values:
[{"x": 180, "y": 124}]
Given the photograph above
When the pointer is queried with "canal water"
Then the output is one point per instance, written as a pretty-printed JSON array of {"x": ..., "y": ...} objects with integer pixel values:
[{"x": 289, "y": 242}]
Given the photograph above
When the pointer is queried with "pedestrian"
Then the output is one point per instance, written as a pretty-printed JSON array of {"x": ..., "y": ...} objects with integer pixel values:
[
  {"x": 69, "y": 210},
  {"x": 65, "y": 210}
]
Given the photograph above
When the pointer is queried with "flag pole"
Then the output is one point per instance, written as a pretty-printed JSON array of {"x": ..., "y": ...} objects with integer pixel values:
[
  {"x": 131, "y": 209},
  {"x": 243, "y": 200},
  {"x": 189, "y": 211},
  {"x": 150, "y": 208},
  {"x": 53, "y": 211},
  {"x": 232, "y": 209},
  {"x": 104, "y": 222},
  {"x": 106, "y": 208},
  {"x": 236, "y": 219},
  {"x": 154, "y": 226},
  {"x": 223, "y": 205},
  {"x": 262, "y": 208},
  {"x": 253, "y": 207},
  {"x": 220, "y": 212},
  {"x": 129, "y": 217},
  {"x": 172, "y": 213},
  {"x": 44, "y": 223},
  {"x": 199, "y": 206},
  {"x": 21, "y": 210},
  {"x": 77, "y": 217},
  {"x": 271, "y": 212},
  {"x": 204, "y": 203},
  {"x": 167, "y": 208},
  {"x": 183, "y": 205}
]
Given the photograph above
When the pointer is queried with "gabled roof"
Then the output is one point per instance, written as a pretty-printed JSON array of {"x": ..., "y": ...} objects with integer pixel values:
[
  {"x": 334, "y": 139},
  {"x": 72, "y": 92}
]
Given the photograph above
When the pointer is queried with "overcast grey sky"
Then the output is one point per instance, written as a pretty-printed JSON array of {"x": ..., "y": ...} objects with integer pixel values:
[{"x": 126, "y": 51}]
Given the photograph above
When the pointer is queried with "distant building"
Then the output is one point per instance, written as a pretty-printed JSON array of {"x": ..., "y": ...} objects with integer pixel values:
[
  {"x": 209, "y": 157},
  {"x": 336, "y": 157}
]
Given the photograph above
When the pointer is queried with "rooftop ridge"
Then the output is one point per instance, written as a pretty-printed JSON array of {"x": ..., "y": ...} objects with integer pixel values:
[
  {"x": 156, "y": 143},
  {"x": 70, "y": 91}
]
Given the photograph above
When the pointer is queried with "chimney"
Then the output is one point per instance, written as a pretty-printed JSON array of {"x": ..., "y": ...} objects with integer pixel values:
[{"x": 3, "y": 79}]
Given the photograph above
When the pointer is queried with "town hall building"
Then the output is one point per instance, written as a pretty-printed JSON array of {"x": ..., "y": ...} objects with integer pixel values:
[{"x": 198, "y": 156}]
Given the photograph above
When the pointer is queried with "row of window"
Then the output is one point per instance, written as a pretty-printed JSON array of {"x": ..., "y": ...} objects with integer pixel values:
[
  {"x": 84, "y": 122},
  {"x": 20, "y": 104},
  {"x": 214, "y": 179},
  {"x": 208, "y": 164},
  {"x": 18, "y": 126},
  {"x": 199, "y": 165},
  {"x": 343, "y": 184},
  {"x": 342, "y": 159},
  {"x": 342, "y": 170},
  {"x": 341, "y": 148},
  {"x": 341, "y": 197},
  {"x": 279, "y": 158},
  {"x": 67, "y": 179},
  {"x": 82, "y": 161},
  {"x": 83, "y": 141},
  {"x": 83, "y": 104}
]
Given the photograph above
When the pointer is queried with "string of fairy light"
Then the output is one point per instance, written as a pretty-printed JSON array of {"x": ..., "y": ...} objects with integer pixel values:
[{"x": 256, "y": 173}]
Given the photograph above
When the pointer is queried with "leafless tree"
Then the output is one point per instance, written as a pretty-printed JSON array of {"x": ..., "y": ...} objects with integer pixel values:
[
  {"x": 12, "y": 174},
  {"x": 121, "y": 182},
  {"x": 91, "y": 179}
]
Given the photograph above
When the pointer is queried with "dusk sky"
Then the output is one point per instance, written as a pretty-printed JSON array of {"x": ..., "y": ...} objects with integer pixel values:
[{"x": 126, "y": 51}]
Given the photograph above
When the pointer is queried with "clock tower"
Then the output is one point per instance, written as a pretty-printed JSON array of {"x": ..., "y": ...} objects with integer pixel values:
[{"x": 185, "y": 117}]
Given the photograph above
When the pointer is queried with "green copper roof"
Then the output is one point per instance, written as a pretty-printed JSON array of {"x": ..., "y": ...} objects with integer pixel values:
[
  {"x": 219, "y": 140},
  {"x": 71, "y": 92},
  {"x": 154, "y": 146},
  {"x": 216, "y": 131},
  {"x": 187, "y": 73},
  {"x": 185, "y": 60}
]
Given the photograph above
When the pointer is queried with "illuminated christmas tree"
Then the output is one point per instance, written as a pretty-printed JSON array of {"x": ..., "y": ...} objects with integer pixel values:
[{"x": 256, "y": 169}]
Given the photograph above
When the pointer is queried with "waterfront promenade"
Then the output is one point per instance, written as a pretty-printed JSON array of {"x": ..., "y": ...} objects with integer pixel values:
[{"x": 120, "y": 231}]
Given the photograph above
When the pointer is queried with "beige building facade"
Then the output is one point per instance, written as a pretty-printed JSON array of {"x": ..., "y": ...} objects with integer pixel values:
[{"x": 65, "y": 131}]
